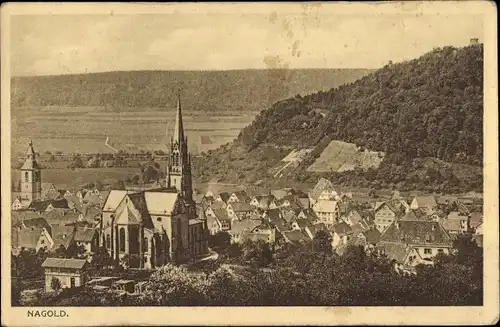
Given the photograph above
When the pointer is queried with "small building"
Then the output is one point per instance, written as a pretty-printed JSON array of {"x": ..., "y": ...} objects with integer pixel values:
[
  {"x": 323, "y": 190},
  {"x": 427, "y": 203},
  {"x": 239, "y": 210},
  {"x": 70, "y": 272},
  {"x": 88, "y": 238},
  {"x": 327, "y": 211},
  {"x": 239, "y": 196}
]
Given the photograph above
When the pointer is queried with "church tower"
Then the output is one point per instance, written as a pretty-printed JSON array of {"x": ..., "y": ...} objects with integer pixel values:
[
  {"x": 31, "y": 177},
  {"x": 179, "y": 165}
]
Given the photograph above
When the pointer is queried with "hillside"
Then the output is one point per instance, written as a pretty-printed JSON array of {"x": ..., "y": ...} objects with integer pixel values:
[
  {"x": 250, "y": 90},
  {"x": 429, "y": 107}
]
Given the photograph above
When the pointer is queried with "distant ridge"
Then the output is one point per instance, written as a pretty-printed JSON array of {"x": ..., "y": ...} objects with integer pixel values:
[{"x": 250, "y": 89}]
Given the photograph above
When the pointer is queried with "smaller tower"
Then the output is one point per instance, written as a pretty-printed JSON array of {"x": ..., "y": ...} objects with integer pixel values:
[{"x": 31, "y": 177}]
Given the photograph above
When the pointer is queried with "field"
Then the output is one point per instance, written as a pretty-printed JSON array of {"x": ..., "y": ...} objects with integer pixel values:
[
  {"x": 85, "y": 129},
  {"x": 340, "y": 156}
]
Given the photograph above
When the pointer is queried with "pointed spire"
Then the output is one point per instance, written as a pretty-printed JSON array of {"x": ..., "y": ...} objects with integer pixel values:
[
  {"x": 31, "y": 151},
  {"x": 179, "y": 127}
]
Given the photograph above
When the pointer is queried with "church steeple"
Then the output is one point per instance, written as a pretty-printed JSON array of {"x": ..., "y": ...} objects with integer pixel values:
[
  {"x": 31, "y": 177},
  {"x": 179, "y": 126},
  {"x": 179, "y": 166}
]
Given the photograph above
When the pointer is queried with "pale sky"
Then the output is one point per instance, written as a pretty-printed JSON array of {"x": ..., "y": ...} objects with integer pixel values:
[{"x": 62, "y": 44}]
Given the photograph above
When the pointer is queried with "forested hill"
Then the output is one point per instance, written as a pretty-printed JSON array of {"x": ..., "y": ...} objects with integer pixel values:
[
  {"x": 427, "y": 107},
  {"x": 251, "y": 90}
]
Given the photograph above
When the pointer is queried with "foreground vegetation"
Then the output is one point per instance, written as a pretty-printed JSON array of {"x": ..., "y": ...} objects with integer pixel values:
[{"x": 255, "y": 275}]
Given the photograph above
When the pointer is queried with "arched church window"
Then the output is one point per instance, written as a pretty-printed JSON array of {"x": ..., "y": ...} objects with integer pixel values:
[
  {"x": 108, "y": 241},
  {"x": 122, "y": 239},
  {"x": 26, "y": 176},
  {"x": 145, "y": 244},
  {"x": 176, "y": 159}
]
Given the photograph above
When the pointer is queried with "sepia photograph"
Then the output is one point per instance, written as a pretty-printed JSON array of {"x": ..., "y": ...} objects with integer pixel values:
[{"x": 218, "y": 156}]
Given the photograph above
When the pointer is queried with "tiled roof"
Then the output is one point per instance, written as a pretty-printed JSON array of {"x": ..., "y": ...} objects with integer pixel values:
[
  {"x": 25, "y": 238},
  {"x": 159, "y": 202},
  {"x": 279, "y": 194},
  {"x": 395, "y": 251},
  {"x": 37, "y": 223},
  {"x": 426, "y": 201},
  {"x": 224, "y": 196},
  {"x": 342, "y": 228},
  {"x": 303, "y": 223},
  {"x": 478, "y": 239},
  {"x": 289, "y": 215},
  {"x": 241, "y": 207},
  {"x": 64, "y": 263},
  {"x": 417, "y": 232},
  {"x": 322, "y": 185},
  {"x": 295, "y": 236},
  {"x": 372, "y": 235},
  {"x": 42, "y": 205},
  {"x": 354, "y": 216},
  {"x": 451, "y": 225},
  {"x": 241, "y": 195},
  {"x": 20, "y": 215},
  {"x": 416, "y": 214},
  {"x": 113, "y": 200},
  {"x": 237, "y": 227},
  {"x": 454, "y": 215},
  {"x": 84, "y": 234},
  {"x": 303, "y": 202},
  {"x": 62, "y": 235},
  {"x": 325, "y": 206},
  {"x": 476, "y": 218},
  {"x": 221, "y": 214}
]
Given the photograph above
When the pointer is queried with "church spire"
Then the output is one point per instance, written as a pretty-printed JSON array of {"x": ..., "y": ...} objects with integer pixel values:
[
  {"x": 179, "y": 126},
  {"x": 31, "y": 152}
]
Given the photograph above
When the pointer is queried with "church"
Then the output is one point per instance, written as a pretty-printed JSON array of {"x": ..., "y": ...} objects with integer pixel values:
[
  {"x": 147, "y": 229},
  {"x": 30, "y": 184}
]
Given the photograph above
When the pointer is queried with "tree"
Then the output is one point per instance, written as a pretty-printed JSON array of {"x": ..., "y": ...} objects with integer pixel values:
[
  {"x": 220, "y": 241},
  {"x": 322, "y": 242},
  {"x": 55, "y": 284}
]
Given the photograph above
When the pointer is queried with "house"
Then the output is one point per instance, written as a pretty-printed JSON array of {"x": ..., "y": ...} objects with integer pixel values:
[
  {"x": 323, "y": 190},
  {"x": 296, "y": 236},
  {"x": 386, "y": 214},
  {"x": 239, "y": 227},
  {"x": 369, "y": 238},
  {"x": 456, "y": 223},
  {"x": 49, "y": 192},
  {"x": 428, "y": 203},
  {"x": 446, "y": 200},
  {"x": 70, "y": 272},
  {"x": 239, "y": 196},
  {"x": 239, "y": 210},
  {"x": 221, "y": 219},
  {"x": 312, "y": 230},
  {"x": 417, "y": 214},
  {"x": 300, "y": 224},
  {"x": 424, "y": 238},
  {"x": 92, "y": 198},
  {"x": 353, "y": 217},
  {"x": 279, "y": 194},
  {"x": 27, "y": 239},
  {"x": 275, "y": 218},
  {"x": 289, "y": 214},
  {"x": 327, "y": 211},
  {"x": 262, "y": 201},
  {"x": 475, "y": 220},
  {"x": 303, "y": 202},
  {"x": 88, "y": 238},
  {"x": 64, "y": 193},
  {"x": 60, "y": 238},
  {"x": 48, "y": 205},
  {"x": 222, "y": 197},
  {"x": 403, "y": 256},
  {"x": 341, "y": 234},
  {"x": 308, "y": 214},
  {"x": 17, "y": 204}
]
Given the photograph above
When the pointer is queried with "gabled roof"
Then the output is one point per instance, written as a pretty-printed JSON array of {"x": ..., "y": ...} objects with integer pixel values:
[
  {"x": 295, "y": 236},
  {"x": 264, "y": 200},
  {"x": 241, "y": 195},
  {"x": 372, "y": 236},
  {"x": 454, "y": 215},
  {"x": 303, "y": 202},
  {"x": 127, "y": 216},
  {"x": 25, "y": 238},
  {"x": 241, "y": 207},
  {"x": 279, "y": 194},
  {"x": 20, "y": 215},
  {"x": 395, "y": 251},
  {"x": 342, "y": 229},
  {"x": 254, "y": 236},
  {"x": 64, "y": 263},
  {"x": 237, "y": 227},
  {"x": 221, "y": 214},
  {"x": 451, "y": 225},
  {"x": 34, "y": 223},
  {"x": 354, "y": 216},
  {"x": 325, "y": 206},
  {"x": 84, "y": 234},
  {"x": 322, "y": 185},
  {"x": 224, "y": 196},
  {"x": 160, "y": 202},
  {"x": 476, "y": 219},
  {"x": 318, "y": 227},
  {"x": 416, "y": 214},
  {"x": 62, "y": 235},
  {"x": 428, "y": 201},
  {"x": 289, "y": 215},
  {"x": 303, "y": 223},
  {"x": 417, "y": 233},
  {"x": 398, "y": 211},
  {"x": 42, "y": 205},
  {"x": 113, "y": 200},
  {"x": 217, "y": 205}
]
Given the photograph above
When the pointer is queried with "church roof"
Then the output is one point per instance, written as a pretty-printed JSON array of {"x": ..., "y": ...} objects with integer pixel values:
[
  {"x": 160, "y": 202},
  {"x": 30, "y": 162},
  {"x": 113, "y": 200}
]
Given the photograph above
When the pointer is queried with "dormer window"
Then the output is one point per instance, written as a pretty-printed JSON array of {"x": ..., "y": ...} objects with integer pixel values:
[{"x": 158, "y": 219}]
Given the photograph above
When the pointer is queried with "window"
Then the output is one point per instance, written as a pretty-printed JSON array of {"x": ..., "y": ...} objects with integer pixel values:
[
  {"x": 427, "y": 251},
  {"x": 42, "y": 241},
  {"x": 26, "y": 176},
  {"x": 440, "y": 250},
  {"x": 158, "y": 219},
  {"x": 122, "y": 239},
  {"x": 145, "y": 244},
  {"x": 108, "y": 241}
]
